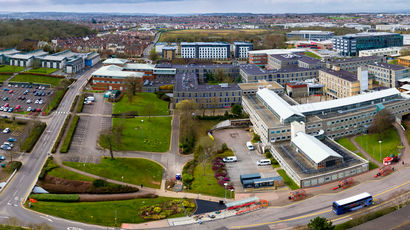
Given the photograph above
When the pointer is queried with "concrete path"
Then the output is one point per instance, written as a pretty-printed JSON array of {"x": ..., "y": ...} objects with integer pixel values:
[{"x": 365, "y": 154}]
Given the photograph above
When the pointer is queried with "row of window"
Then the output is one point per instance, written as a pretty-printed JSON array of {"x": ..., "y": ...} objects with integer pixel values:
[{"x": 227, "y": 94}]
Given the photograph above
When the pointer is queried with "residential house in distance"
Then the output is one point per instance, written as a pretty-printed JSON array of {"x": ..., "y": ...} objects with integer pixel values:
[
  {"x": 223, "y": 95},
  {"x": 26, "y": 59},
  {"x": 311, "y": 35},
  {"x": 388, "y": 75},
  {"x": 385, "y": 52},
  {"x": 351, "y": 44}
]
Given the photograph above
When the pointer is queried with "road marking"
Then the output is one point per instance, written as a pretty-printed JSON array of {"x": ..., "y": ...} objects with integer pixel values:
[
  {"x": 4, "y": 217},
  {"x": 46, "y": 218}
]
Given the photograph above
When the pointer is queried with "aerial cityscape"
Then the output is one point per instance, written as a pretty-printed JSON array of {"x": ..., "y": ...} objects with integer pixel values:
[{"x": 205, "y": 114}]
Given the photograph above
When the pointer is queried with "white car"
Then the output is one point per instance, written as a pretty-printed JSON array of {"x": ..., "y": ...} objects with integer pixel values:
[
  {"x": 28, "y": 101},
  {"x": 5, "y": 109},
  {"x": 36, "y": 102},
  {"x": 29, "y": 109},
  {"x": 6, "y": 130},
  {"x": 8, "y": 143},
  {"x": 15, "y": 86},
  {"x": 40, "y": 102},
  {"x": 1, "y": 108},
  {"x": 5, "y": 147}
]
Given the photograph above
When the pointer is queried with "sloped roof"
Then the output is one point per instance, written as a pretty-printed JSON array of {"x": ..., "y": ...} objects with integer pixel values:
[{"x": 115, "y": 61}]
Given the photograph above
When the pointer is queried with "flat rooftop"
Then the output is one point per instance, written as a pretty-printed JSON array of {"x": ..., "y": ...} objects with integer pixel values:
[
  {"x": 265, "y": 114},
  {"x": 354, "y": 59},
  {"x": 368, "y": 34},
  {"x": 305, "y": 169},
  {"x": 389, "y": 66},
  {"x": 341, "y": 74},
  {"x": 272, "y": 85}
]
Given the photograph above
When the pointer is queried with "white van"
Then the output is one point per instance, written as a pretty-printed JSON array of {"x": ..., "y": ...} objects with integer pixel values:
[
  {"x": 229, "y": 159},
  {"x": 263, "y": 162},
  {"x": 250, "y": 145}
]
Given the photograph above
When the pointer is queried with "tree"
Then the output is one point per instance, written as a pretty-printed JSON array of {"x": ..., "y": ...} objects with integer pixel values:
[
  {"x": 236, "y": 110},
  {"x": 153, "y": 55},
  {"x": 320, "y": 223},
  {"x": 112, "y": 137},
  {"x": 149, "y": 110},
  {"x": 208, "y": 146},
  {"x": 381, "y": 122},
  {"x": 132, "y": 85},
  {"x": 186, "y": 108}
]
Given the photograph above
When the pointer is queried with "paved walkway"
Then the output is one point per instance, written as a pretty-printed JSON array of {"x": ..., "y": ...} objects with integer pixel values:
[{"x": 365, "y": 154}]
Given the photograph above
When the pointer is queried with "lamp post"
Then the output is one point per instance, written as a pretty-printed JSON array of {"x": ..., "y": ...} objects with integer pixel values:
[
  {"x": 380, "y": 144},
  {"x": 231, "y": 192},
  {"x": 142, "y": 128},
  {"x": 226, "y": 184}
]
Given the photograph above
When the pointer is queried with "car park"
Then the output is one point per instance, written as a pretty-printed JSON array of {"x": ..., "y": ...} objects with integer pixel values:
[{"x": 6, "y": 130}]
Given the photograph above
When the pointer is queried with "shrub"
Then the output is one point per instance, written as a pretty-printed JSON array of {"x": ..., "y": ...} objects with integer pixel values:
[
  {"x": 56, "y": 100},
  {"x": 33, "y": 137},
  {"x": 60, "y": 134},
  {"x": 99, "y": 183},
  {"x": 67, "y": 141},
  {"x": 224, "y": 147},
  {"x": 56, "y": 197},
  {"x": 189, "y": 168},
  {"x": 256, "y": 137},
  {"x": 13, "y": 165},
  {"x": 268, "y": 155},
  {"x": 81, "y": 103},
  {"x": 74, "y": 103},
  {"x": 187, "y": 178}
]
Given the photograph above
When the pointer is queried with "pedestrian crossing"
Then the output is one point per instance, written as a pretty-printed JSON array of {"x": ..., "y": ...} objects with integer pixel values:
[{"x": 62, "y": 112}]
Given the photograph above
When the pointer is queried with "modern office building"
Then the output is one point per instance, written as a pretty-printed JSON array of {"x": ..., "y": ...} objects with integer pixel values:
[
  {"x": 385, "y": 52},
  {"x": 205, "y": 50},
  {"x": 241, "y": 49},
  {"x": 280, "y": 61},
  {"x": 169, "y": 52},
  {"x": 311, "y": 35},
  {"x": 388, "y": 75},
  {"x": 351, "y": 44},
  {"x": 5, "y": 55},
  {"x": 340, "y": 83},
  {"x": 404, "y": 61},
  {"x": 26, "y": 59},
  {"x": 252, "y": 73},
  {"x": 222, "y": 95},
  {"x": 351, "y": 64},
  {"x": 279, "y": 120},
  {"x": 112, "y": 77},
  {"x": 260, "y": 57}
]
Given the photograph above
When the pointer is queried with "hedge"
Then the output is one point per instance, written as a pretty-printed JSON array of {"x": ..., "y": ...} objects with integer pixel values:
[
  {"x": 56, "y": 100},
  {"x": 56, "y": 197},
  {"x": 67, "y": 141},
  {"x": 32, "y": 139},
  {"x": 74, "y": 103},
  {"x": 13, "y": 165},
  {"x": 60, "y": 134},
  {"x": 288, "y": 181},
  {"x": 47, "y": 168},
  {"x": 365, "y": 218},
  {"x": 81, "y": 103}
]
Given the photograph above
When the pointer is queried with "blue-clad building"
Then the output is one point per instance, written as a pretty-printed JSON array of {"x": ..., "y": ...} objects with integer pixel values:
[
  {"x": 351, "y": 44},
  {"x": 205, "y": 50}
]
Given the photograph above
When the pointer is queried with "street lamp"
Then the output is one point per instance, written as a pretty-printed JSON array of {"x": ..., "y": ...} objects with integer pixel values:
[
  {"x": 380, "y": 144},
  {"x": 231, "y": 192},
  {"x": 226, "y": 184},
  {"x": 142, "y": 128}
]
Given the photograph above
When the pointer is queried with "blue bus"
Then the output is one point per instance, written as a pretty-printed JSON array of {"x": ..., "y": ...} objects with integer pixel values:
[{"x": 352, "y": 203}]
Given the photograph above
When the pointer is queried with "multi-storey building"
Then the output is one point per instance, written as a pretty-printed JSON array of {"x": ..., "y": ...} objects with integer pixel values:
[
  {"x": 205, "y": 50},
  {"x": 388, "y": 75},
  {"x": 385, "y": 52},
  {"x": 351, "y": 64},
  {"x": 280, "y": 61},
  {"x": 351, "y": 44},
  {"x": 404, "y": 61},
  {"x": 252, "y": 73},
  {"x": 260, "y": 57},
  {"x": 223, "y": 95},
  {"x": 241, "y": 49},
  {"x": 168, "y": 52},
  {"x": 313, "y": 35},
  {"x": 26, "y": 59},
  {"x": 112, "y": 77}
]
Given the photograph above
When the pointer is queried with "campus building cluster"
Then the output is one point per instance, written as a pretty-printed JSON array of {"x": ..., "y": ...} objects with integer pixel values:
[{"x": 311, "y": 35}]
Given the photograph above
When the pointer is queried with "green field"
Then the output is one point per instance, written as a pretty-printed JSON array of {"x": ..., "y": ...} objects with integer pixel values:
[
  {"x": 106, "y": 213},
  {"x": 151, "y": 135},
  {"x": 144, "y": 104},
  {"x": 211, "y": 35},
  {"x": 36, "y": 79},
  {"x": 208, "y": 184},
  {"x": 10, "y": 69},
  {"x": 130, "y": 170},
  {"x": 66, "y": 174},
  {"x": 42, "y": 70},
  {"x": 288, "y": 181},
  {"x": 371, "y": 145},
  {"x": 4, "y": 77},
  {"x": 345, "y": 142}
]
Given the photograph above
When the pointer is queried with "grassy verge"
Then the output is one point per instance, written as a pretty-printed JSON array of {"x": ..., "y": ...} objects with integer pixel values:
[
  {"x": 42, "y": 70},
  {"x": 67, "y": 140},
  {"x": 207, "y": 183},
  {"x": 370, "y": 143},
  {"x": 143, "y": 103},
  {"x": 81, "y": 103},
  {"x": 37, "y": 79},
  {"x": 288, "y": 181},
  {"x": 153, "y": 134},
  {"x": 112, "y": 213},
  {"x": 57, "y": 171},
  {"x": 130, "y": 170},
  {"x": 74, "y": 103},
  {"x": 60, "y": 134},
  {"x": 4, "y": 77},
  {"x": 10, "y": 69},
  {"x": 33, "y": 137},
  {"x": 56, "y": 100},
  {"x": 56, "y": 197}
]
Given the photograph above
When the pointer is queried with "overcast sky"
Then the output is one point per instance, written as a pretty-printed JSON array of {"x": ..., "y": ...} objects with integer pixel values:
[{"x": 205, "y": 6}]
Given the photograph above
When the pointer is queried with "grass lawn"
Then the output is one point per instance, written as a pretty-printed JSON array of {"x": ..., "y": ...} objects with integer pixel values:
[
  {"x": 209, "y": 35},
  {"x": 102, "y": 213},
  {"x": 394, "y": 62},
  {"x": 42, "y": 70},
  {"x": 345, "y": 142},
  {"x": 140, "y": 103},
  {"x": 10, "y": 69},
  {"x": 13, "y": 125},
  {"x": 370, "y": 143},
  {"x": 66, "y": 174},
  {"x": 134, "y": 170},
  {"x": 208, "y": 184},
  {"x": 312, "y": 55},
  {"x": 202, "y": 126},
  {"x": 4, "y": 77},
  {"x": 37, "y": 79},
  {"x": 151, "y": 135},
  {"x": 288, "y": 181}
]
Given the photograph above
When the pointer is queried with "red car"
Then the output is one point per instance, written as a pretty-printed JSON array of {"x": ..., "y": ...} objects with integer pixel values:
[
  {"x": 38, "y": 110},
  {"x": 18, "y": 107},
  {"x": 6, "y": 105},
  {"x": 11, "y": 91}
]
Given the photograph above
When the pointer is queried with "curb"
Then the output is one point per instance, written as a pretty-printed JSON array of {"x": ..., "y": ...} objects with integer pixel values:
[{"x": 10, "y": 178}]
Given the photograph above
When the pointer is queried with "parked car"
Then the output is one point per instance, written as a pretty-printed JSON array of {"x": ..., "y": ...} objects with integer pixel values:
[
  {"x": 11, "y": 139},
  {"x": 250, "y": 145},
  {"x": 263, "y": 162},
  {"x": 30, "y": 86},
  {"x": 16, "y": 86},
  {"x": 28, "y": 101},
  {"x": 43, "y": 94},
  {"x": 5, "y": 98},
  {"x": 6, "y": 105},
  {"x": 8, "y": 143},
  {"x": 11, "y": 91},
  {"x": 23, "y": 98},
  {"x": 29, "y": 109},
  {"x": 4, "y": 116},
  {"x": 5, "y": 89},
  {"x": 38, "y": 110},
  {"x": 6, "y": 130},
  {"x": 18, "y": 107},
  {"x": 40, "y": 102},
  {"x": 25, "y": 93},
  {"x": 2, "y": 158},
  {"x": 5, "y": 147},
  {"x": 5, "y": 109},
  {"x": 230, "y": 159},
  {"x": 10, "y": 110},
  {"x": 36, "y": 102}
]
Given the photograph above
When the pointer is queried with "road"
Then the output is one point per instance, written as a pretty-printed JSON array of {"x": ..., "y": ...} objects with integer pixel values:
[
  {"x": 149, "y": 48},
  {"x": 16, "y": 192}
]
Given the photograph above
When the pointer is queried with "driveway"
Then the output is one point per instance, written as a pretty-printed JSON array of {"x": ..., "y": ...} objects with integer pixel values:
[{"x": 236, "y": 140}]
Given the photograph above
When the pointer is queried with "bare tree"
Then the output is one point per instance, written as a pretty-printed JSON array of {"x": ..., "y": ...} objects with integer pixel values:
[
  {"x": 132, "y": 85},
  {"x": 112, "y": 137},
  {"x": 208, "y": 146},
  {"x": 381, "y": 122},
  {"x": 149, "y": 110}
]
